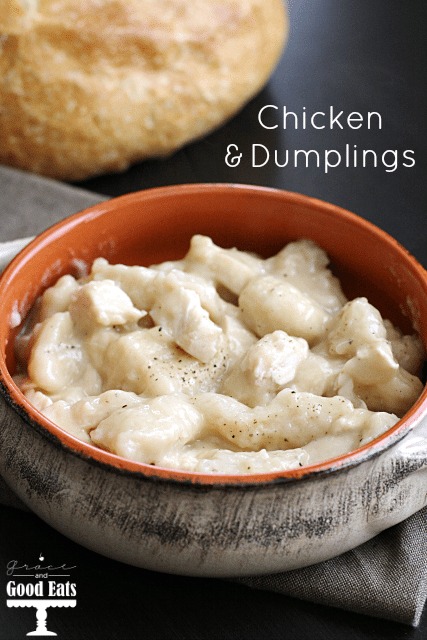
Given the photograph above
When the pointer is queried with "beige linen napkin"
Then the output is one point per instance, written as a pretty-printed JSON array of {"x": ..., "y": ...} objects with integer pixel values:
[{"x": 362, "y": 580}]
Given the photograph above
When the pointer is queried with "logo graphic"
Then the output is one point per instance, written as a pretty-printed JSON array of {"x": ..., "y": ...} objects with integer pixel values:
[{"x": 40, "y": 586}]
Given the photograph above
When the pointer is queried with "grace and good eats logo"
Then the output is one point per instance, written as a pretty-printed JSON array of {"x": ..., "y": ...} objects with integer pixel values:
[{"x": 40, "y": 585}]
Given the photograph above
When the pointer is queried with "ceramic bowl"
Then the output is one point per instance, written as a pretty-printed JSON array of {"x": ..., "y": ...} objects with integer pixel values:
[{"x": 212, "y": 525}]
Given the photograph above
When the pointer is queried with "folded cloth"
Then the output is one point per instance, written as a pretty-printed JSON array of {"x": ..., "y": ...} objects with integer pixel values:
[
  {"x": 385, "y": 577},
  {"x": 30, "y": 204}
]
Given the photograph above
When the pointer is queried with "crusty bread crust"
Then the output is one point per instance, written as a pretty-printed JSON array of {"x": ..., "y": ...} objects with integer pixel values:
[{"x": 92, "y": 86}]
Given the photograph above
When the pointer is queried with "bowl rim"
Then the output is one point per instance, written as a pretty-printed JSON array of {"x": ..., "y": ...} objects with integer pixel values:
[{"x": 16, "y": 399}]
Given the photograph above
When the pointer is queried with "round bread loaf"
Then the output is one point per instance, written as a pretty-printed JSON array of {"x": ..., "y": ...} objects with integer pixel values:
[{"x": 89, "y": 87}]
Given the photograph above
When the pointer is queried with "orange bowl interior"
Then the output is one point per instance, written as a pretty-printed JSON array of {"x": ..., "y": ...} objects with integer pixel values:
[{"x": 156, "y": 225}]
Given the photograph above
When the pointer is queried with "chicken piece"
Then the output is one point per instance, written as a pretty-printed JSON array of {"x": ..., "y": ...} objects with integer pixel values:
[{"x": 266, "y": 368}]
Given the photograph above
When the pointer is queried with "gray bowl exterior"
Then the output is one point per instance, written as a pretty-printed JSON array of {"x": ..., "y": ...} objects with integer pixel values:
[{"x": 215, "y": 530}]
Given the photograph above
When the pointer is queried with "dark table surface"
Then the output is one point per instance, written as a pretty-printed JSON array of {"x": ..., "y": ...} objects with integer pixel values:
[{"x": 351, "y": 55}]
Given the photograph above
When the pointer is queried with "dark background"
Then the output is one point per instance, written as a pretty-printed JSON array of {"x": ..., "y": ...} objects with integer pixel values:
[{"x": 356, "y": 55}]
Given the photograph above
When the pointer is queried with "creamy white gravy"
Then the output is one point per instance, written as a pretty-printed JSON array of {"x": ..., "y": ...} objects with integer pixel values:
[{"x": 220, "y": 363}]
